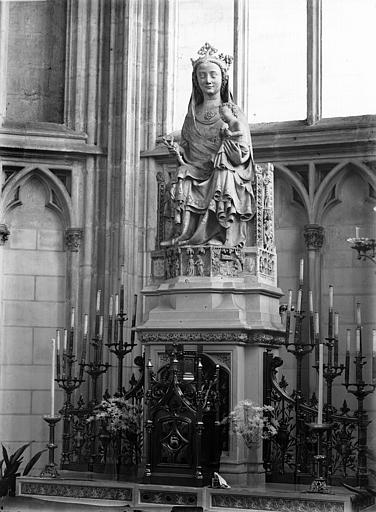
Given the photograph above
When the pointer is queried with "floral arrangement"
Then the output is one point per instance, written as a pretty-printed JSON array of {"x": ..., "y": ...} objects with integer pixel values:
[
  {"x": 253, "y": 422},
  {"x": 117, "y": 415}
]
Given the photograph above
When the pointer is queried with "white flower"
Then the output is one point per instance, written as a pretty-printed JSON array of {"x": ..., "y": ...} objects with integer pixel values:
[{"x": 253, "y": 422}]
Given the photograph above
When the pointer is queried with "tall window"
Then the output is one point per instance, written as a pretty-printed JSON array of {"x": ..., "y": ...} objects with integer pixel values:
[
  {"x": 348, "y": 71},
  {"x": 36, "y": 61},
  {"x": 280, "y": 48},
  {"x": 277, "y": 69},
  {"x": 199, "y": 22}
]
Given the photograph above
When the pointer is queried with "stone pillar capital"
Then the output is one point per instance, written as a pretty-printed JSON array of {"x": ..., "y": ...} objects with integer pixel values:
[
  {"x": 4, "y": 234},
  {"x": 73, "y": 237},
  {"x": 313, "y": 236}
]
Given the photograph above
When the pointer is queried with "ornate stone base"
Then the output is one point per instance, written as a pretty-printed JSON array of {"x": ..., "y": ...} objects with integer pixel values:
[
  {"x": 212, "y": 309},
  {"x": 75, "y": 491}
]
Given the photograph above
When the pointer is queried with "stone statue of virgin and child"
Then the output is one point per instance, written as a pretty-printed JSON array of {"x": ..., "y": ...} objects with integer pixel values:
[{"x": 212, "y": 191}]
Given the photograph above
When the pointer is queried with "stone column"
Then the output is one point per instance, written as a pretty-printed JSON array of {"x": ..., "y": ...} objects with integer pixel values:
[{"x": 314, "y": 239}]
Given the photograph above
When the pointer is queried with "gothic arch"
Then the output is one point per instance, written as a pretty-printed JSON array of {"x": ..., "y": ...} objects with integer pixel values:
[
  {"x": 59, "y": 199},
  {"x": 332, "y": 182}
]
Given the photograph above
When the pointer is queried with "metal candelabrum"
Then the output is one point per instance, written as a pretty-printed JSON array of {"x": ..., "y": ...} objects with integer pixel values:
[
  {"x": 115, "y": 337},
  {"x": 360, "y": 389},
  {"x": 50, "y": 470},
  {"x": 69, "y": 383}
]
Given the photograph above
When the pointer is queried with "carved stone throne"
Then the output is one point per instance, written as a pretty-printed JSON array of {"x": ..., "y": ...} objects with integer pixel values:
[{"x": 225, "y": 299}]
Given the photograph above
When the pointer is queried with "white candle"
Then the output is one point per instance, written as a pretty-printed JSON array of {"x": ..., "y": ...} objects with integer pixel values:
[
  {"x": 336, "y": 325},
  {"x": 101, "y": 326},
  {"x": 357, "y": 340},
  {"x": 98, "y": 300},
  {"x": 358, "y": 315},
  {"x": 72, "y": 319},
  {"x": 301, "y": 271},
  {"x": 321, "y": 385},
  {"x": 110, "y": 306},
  {"x": 290, "y": 301},
  {"x": 373, "y": 356},
  {"x": 348, "y": 339},
  {"x": 299, "y": 301},
  {"x": 86, "y": 321},
  {"x": 58, "y": 340},
  {"x": 310, "y": 297},
  {"x": 331, "y": 296},
  {"x": 65, "y": 340},
  {"x": 356, "y": 232},
  {"x": 117, "y": 304},
  {"x": 53, "y": 377},
  {"x": 317, "y": 323}
]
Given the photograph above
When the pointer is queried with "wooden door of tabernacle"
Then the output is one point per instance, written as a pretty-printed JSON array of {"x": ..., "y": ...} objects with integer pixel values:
[{"x": 185, "y": 407}]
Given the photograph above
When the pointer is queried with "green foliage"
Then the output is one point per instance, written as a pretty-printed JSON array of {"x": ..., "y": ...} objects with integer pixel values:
[{"x": 11, "y": 463}]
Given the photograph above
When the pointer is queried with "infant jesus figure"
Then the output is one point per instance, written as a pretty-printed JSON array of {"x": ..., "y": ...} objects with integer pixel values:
[{"x": 233, "y": 130}]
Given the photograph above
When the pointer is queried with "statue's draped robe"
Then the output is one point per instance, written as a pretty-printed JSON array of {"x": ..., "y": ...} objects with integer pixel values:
[{"x": 221, "y": 198}]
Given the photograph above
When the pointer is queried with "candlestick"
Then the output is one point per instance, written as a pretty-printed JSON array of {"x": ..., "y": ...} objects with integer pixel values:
[
  {"x": 347, "y": 357},
  {"x": 321, "y": 384}
]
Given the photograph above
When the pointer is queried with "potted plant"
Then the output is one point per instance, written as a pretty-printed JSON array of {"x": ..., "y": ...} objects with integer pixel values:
[
  {"x": 253, "y": 422},
  {"x": 9, "y": 467},
  {"x": 119, "y": 432}
]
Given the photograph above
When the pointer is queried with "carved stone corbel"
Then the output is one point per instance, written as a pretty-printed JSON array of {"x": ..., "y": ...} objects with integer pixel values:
[
  {"x": 313, "y": 236},
  {"x": 73, "y": 237},
  {"x": 4, "y": 234}
]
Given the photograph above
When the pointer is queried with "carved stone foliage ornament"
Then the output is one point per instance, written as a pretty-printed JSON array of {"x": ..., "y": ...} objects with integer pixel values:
[
  {"x": 73, "y": 237},
  {"x": 313, "y": 236},
  {"x": 263, "y": 338},
  {"x": 197, "y": 261},
  {"x": 4, "y": 234}
]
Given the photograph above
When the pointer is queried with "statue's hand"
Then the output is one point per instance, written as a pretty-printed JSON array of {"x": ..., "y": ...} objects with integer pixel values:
[
  {"x": 173, "y": 147},
  {"x": 233, "y": 151}
]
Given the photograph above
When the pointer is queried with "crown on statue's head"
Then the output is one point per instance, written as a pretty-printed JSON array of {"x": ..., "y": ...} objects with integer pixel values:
[{"x": 208, "y": 53}]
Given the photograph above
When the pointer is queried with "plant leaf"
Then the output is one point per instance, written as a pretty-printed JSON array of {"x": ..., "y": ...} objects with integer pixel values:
[
  {"x": 12, "y": 468},
  {"x": 5, "y": 455},
  {"x": 33, "y": 461},
  {"x": 17, "y": 454}
]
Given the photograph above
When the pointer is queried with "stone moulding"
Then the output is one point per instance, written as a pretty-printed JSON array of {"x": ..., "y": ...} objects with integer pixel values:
[{"x": 257, "y": 337}]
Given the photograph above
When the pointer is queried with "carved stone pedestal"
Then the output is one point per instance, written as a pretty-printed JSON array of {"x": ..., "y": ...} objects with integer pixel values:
[{"x": 233, "y": 314}]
